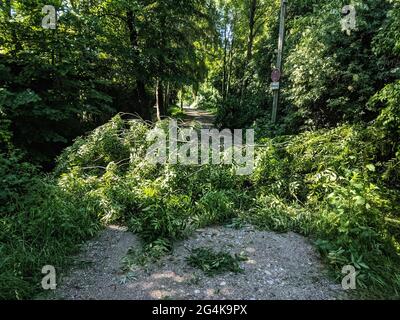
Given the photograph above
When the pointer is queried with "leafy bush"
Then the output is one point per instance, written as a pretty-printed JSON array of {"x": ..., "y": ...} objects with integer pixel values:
[
  {"x": 41, "y": 223},
  {"x": 330, "y": 185},
  {"x": 45, "y": 229},
  {"x": 213, "y": 263},
  {"x": 17, "y": 179},
  {"x": 177, "y": 113},
  {"x": 158, "y": 202},
  {"x": 209, "y": 98},
  {"x": 234, "y": 113}
]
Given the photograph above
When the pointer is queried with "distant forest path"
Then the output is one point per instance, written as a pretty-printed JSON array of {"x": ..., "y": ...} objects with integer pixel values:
[{"x": 204, "y": 117}]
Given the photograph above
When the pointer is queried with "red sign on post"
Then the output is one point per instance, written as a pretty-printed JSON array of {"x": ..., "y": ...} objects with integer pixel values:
[{"x": 276, "y": 75}]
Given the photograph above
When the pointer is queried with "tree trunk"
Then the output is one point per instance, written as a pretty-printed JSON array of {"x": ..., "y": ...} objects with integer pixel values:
[
  {"x": 250, "y": 42},
  {"x": 160, "y": 101},
  {"x": 252, "y": 20},
  {"x": 140, "y": 85},
  {"x": 182, "y": 95},
  {"x": 224, "y": 80},
  {"x": 195, "y": 91},
  {"x": 167, "y": 95},
  {"x": 231, "y": 53}
]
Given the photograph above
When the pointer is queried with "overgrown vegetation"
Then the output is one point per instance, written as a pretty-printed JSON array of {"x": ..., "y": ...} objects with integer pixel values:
[
  {"x": 327, "y": 184},
  {"x": 213, "y": 263},
  {"x": 39, "y": 226},
  {"x": 330, "y": 169}
]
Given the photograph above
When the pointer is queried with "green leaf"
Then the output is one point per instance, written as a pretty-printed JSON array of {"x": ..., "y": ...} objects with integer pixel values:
[{"x": 371, "y": 167}]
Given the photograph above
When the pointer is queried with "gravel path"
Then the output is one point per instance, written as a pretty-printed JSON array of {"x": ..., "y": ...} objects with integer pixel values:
[
  {"x": 279, "y": 266},
  {"x": 205, "y": 118}
]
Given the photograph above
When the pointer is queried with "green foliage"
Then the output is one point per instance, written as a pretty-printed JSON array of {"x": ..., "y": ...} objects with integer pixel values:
[
  {"x": 387, "y": 129},
  {"x": 150, "y": 253},
  {"x": 112, "y": 167},
  {"x": 165, "y": 219},
  {"x": 216, "y": 207},
  {"x": 276, "y": 214},
  {"x": 17, "y": 179},
  {"x": 209, "y": 98},
  {"x": 213, "y": 263},
  {"x": 46, "y": 228},
  {"x": 176, "y": 113},
  {"x": 101, "y": 59},
  {"x": 329, "y": 169},
  {"x": 52, "y": 92},
  {"x": 331, "y": 185},
  {"x": 41, "y": 223},
  {"x": 328, "y": 76},
  {"x": 230, "y": 114},
  {"x": 332, "y": 75}
]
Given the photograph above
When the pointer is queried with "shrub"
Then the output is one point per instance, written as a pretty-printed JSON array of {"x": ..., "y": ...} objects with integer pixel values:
[
  {"x": 45, "y": 229},
  {"x": 213, "y": 263},
  {"x": 330, "y": 185}
]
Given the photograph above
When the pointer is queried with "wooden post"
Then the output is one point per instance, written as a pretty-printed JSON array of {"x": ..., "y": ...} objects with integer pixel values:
[{"x": 279, "y": 58}]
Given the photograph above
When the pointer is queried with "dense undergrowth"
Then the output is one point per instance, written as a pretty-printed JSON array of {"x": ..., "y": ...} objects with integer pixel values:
[
  {"x": 337, "y": 186},
  {"x": 40, "y": 224}
]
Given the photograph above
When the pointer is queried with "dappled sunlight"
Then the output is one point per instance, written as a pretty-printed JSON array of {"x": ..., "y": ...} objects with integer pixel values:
[
  {"x": 169, "y": 275},
  {"x": 161, "y": 294},
  {"x": 117, "y": 228}
]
